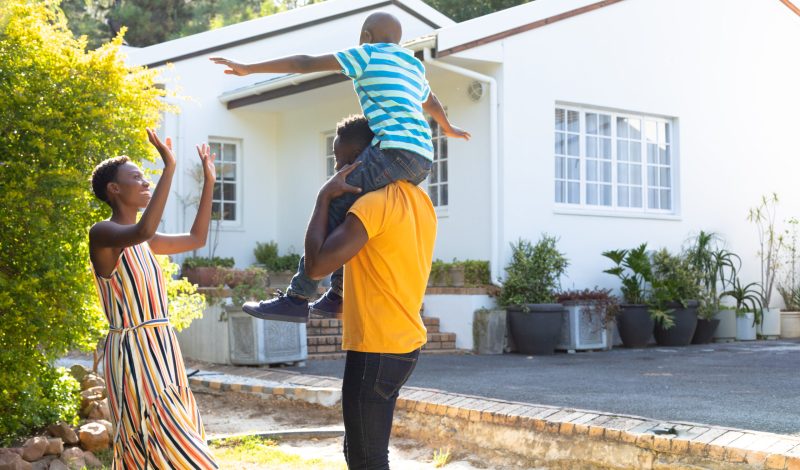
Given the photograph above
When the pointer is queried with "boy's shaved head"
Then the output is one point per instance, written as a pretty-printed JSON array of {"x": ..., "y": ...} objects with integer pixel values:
[{"x": 381, "y": 27}]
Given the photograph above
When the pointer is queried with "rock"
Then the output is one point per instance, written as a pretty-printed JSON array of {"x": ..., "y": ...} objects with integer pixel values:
[
  {"x": 92, "y": 380},
  {"x": 58, "y": 465},
  {"x": 34, "y": 448},
  {"x": 98, "y": 391},
  {"x": 64, "y": 431},
  {"x": 107, "y": 424},
  {"x": 44, "y": 463},
  {"x": 79, "y": 372},
  {"x": 55, "y": 446},
  {"x": 88, "y": 397},
  {"x": 100, "y": 410},
  {"x": 72, "y": 458},
  {"x": 94, "y": 436},
  {"x": 92, "y": 461},
  {"x": 13, "y": 461}
]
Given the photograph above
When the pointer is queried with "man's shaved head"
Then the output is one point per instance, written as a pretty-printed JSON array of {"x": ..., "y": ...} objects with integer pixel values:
[{"x": 381, "y": 27}]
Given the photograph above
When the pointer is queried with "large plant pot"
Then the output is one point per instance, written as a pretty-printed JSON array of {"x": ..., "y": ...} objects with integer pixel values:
[
  {"x": 705, "y": 330},
  {"x": 489, "y": 331},
  {"x": 770, "y": 326},
  {"x": 635, "y": 325},
  {"x": 726, "y": 331},
  {"x": 584, "y": 327},
  {"x": 745, "y": 327},
  {"x": 682, "y": 332},
  {"x": 790, "y": 325},
  {"x": 537, "y": 330},
  {"x": 203, "y": 277}
]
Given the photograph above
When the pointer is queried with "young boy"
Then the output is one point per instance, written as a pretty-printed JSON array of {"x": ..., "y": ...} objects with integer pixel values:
[{"x": 393, "y": 92}]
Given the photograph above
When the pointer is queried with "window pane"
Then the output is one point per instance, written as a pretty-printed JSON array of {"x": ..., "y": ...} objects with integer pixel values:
[
  {"x": 573, "y": 124},
  {"x": 591, "y": 123},
  {"x": 215, "y": 148},
  {"x": 215, "y": 212},
  {"x": 652, "y": 198},
  {"x": 636, "y": 175},
  {"x": 229, "y": 191},
  {"x": 635, "y": 152},
  {"x": 591, "y": 194},
  {"x": 573, "y": 168},
  {"x": 433, "y": 192},
  {"x": 591, "y": 147},
  {"x": 560, "y": 119},
  {"x": 605, "y": 172},
  {"x": 664, "y": 177},
  {"x": 559, "y": 144},
  {"x": 591, "y": 170},
  {"x": 606, "y": 195},
  {"x": 331, "y": 164},
  {"x": 229, "y": 152},
  {"x": 443, "y": 142},
  {"x": 664, "y": 155},
  {"x": 622, "y": 196},
  {"x": 434, "y": 178},
  {"x": 572, "y": 145},
  {"x": 622, "y": 150},
  {"x": 329, "y": 144},
  {"x": 227, "y": 171},
  {"x": 636, "y": 197},
  {"x": 666, "y": 200},
  {"x": 635, "y": 127},
  {"x": 652, "y": 153},
  {"x": 652, "y": 176},
  {"x": 622, "y": 127},
  {"x": 574, "y": 193},
  {"x": 605, "y": 148},
  {"x": 622, "y": 173},
  {"x": 651, "y": 131},
  {"x": 230, "y": 212},
  {"x": 605, "y": 124},
  {"x": 443, "y": 199},
  {"x": 217, "y": 191},
  {"x": 667, "y": 136},
  {"x": 443, "y": 172},
  {"x": 559, "y": 191},
  {"x": 561, "y": 165}
]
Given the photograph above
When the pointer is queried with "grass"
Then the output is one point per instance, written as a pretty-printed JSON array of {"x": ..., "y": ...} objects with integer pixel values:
[
  {"x": 441, "y": 458},
  {"x": 253, "y": 450}
]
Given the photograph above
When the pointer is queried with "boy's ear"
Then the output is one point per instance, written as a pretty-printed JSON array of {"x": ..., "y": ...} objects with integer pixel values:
[{"x": 366, "y": 37}]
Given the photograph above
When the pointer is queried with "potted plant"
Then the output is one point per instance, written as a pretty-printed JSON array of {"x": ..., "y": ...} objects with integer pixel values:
[
  {"x": 789, "y": 288},
  {"x": 674, "y": 298},
  {"x": 280, "y": 268},
  {"x": 528, "y": 293},
  {"x": 748, "y": 308},
  {"x": 717, "y": 268},
  {"x": 440, "y": 274},
  {"x": 476, "y": 273},
  {"x": 457, "y": 273},
  {"x": 770, "y": 247},
  {"x": 205, "y": 271},
  {"x": 587, "y": 316},
  {"x": 634, "y": 321}
]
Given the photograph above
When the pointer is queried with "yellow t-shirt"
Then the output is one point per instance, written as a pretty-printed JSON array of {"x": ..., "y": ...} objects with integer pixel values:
[{"x": 384, "y": 284}]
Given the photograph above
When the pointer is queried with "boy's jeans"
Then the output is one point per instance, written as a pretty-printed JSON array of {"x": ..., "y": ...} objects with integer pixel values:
[
  {"x": 378, "y": 168},
  {"x": 370, "y": 387}
]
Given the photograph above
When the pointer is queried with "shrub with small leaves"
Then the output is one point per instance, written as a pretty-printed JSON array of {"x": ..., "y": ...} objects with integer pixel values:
[{"x": 533, "y": 276}]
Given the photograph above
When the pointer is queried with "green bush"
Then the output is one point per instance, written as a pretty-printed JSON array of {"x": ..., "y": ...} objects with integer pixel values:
[
  {"x": 267, "y": 255},
  {"x": 62, "y": 111},
  {"x": 193, "y": 262},
  {"x": 185, "y": 304},
  {"x": 476, "y": 273},
  {"x": 534, "y": 273}
]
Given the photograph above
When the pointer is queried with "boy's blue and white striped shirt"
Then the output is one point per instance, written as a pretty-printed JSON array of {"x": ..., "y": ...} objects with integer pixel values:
[{"x": 391, "y": 86}]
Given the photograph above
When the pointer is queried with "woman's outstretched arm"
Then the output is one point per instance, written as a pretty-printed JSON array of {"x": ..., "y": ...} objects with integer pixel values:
[{"x": 169, "y": 244}]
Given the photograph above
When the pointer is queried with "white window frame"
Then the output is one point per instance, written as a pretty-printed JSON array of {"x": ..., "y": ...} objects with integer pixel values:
[
  {"x": 327, "y": 152},
  {"x": 238, "y": 222},
  {"x": 614, "y": 209},
  {"x": 437, "y": 137}
]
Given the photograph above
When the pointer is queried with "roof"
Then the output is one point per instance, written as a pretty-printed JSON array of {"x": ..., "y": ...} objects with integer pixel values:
[
  {"x": 502, "y": 24},
  {"x": 260, "y": 28}
]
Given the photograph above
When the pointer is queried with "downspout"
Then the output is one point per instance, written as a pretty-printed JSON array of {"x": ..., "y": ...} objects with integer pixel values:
[{"x": 494, "y": 208}]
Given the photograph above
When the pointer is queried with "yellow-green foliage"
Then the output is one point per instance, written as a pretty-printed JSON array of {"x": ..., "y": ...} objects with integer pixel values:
[
  {"x": 185, "y": 304},
  {"x": 260, "y": 451},
  {"x": 62, "y": 110},
  {"x": 441, "y": 458}
]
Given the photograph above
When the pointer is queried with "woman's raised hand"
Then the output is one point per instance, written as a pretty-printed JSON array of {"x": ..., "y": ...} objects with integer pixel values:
[
  {"x": 207, "y": 159},
  {"x": 164, "y": 149}
]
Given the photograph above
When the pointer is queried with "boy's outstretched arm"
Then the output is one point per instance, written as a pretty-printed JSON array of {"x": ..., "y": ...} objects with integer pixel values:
[
  {"x": 433, "y": 107},
  {"x": 290, "y": 64}
]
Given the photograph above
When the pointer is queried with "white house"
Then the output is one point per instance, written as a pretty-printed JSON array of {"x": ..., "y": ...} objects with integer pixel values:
[{"x": 605, "y": 123}]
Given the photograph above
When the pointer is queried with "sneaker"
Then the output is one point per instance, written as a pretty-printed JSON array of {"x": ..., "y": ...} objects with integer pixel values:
[
  {"x": 282, "y": 308},
  {"x": 328, "y": 306}
]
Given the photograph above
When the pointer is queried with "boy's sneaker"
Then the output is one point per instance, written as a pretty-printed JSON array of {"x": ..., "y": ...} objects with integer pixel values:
[
  {"x": 282, "y": 308},
  {"x": 329, "y": 306}
]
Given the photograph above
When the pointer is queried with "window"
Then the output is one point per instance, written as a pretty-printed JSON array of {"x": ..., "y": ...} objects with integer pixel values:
[
  {"x": 330, "y": 161},
  {"x": 224, "y": 203},
  {"x": 438, "y": 181},
  {"x": 599, "y": 161}
]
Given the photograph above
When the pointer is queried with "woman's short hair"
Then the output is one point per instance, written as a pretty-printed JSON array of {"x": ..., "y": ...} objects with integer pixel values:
[{"x": 105, "y": 172}]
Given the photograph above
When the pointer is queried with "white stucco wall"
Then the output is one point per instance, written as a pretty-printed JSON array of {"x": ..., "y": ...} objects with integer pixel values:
[{"x": 725, "y": 71}]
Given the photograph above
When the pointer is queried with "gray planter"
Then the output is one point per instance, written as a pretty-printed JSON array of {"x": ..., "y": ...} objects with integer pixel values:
[
  {"x": 635, "y": 325},
  {"x": 726, "y": 331},
  {"x": 489, "y": 331},
  {"x": 682, "y": 332},
  {"x": 536, "y": 328}
]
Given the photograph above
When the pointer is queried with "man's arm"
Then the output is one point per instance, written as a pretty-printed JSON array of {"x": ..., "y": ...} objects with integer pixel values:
[
  {"x": 324, "y": 253},
  {"x": 290, "y": 64},
  {"x": 433, "y": 107}
]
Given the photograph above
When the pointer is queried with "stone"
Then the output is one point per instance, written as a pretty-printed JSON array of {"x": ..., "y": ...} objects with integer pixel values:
[
  {"x": 88, "y": 397},
  {"x": 106, "y": 424},
  {"x": 13, "y": 461},
  {"x": 98, "y": 391},
  {"x": 55, "y": 446},
  {"x": 100, "y": 410},
  {"x": 34, "y": 448},
  {"x": 92, "y": 461},
  {"x": 44, "y": 463},
  {"x": 64, "y": 431},
  {"x": 92, "y": 380},
  {"x": 79, "y": 372},
  {"x": 94, "y": 436},
  {"x": 73, "y": 458},
  {"x": 58, "y": 465}
]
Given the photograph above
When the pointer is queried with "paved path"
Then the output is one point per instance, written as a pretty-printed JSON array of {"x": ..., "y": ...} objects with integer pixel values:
[{"x": 743, "y": 385}]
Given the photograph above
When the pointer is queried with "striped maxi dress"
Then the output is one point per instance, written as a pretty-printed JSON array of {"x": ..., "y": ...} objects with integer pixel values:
[{"x": 156, "y": 420}]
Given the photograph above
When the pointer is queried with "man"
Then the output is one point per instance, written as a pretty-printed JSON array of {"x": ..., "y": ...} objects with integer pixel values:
[{"x": 386, "y": 243}]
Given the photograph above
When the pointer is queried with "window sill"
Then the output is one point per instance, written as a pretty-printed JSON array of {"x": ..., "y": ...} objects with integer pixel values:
[
  {"x": 441, "y": 212},
  {"x": 616, "y": 214}
]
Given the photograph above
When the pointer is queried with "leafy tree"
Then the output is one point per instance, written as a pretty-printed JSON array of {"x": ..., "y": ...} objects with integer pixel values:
[
  {"x": 62, "y": 110},
  {"x": 459, "y": 10}
]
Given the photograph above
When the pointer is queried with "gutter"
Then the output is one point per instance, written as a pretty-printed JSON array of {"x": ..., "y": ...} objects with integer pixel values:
[{"x": 494, "y": 173}]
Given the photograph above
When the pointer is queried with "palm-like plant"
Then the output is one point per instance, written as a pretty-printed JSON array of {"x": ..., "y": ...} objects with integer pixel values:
[
  {"x": 634, "y": 269},
  {"x": 748, "y": 299},
  {"x": 717, "y": 266}
]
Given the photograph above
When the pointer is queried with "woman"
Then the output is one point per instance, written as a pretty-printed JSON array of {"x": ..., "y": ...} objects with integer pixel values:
[{"x": 155, "y": 416}]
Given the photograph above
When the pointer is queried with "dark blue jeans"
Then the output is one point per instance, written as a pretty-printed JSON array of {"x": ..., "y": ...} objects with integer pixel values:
[
  {"x": 370, "y": 388},
  {"x": 378, "y": 168}
]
